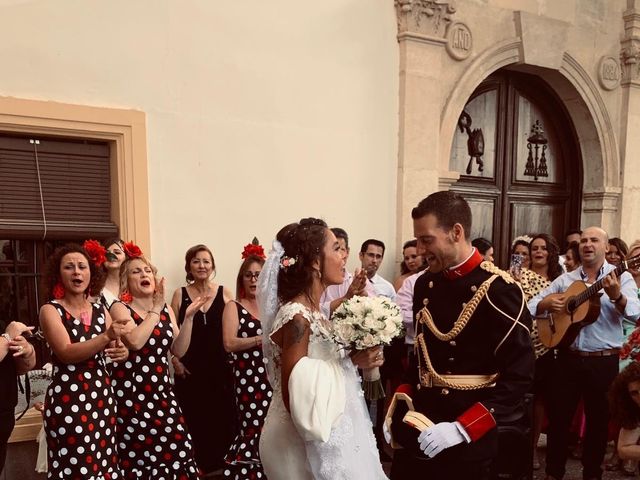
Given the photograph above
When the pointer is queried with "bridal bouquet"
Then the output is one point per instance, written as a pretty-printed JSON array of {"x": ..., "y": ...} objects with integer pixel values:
[{"x": 364, "y": 322}]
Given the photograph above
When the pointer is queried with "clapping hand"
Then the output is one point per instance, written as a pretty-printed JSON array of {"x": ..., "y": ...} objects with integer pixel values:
[
  {"x": 19, "y": 345},
  {"x": 117, "y": 351},
  {"x": 158, "y": 296},
  {"x": 358, "y": 284},
  {"x": 196, "y": 305},
  {"x": 119, "y": 328}
]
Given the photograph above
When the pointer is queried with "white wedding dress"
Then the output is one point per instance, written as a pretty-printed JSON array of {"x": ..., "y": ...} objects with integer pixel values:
[{"x": 328, "y": 435}]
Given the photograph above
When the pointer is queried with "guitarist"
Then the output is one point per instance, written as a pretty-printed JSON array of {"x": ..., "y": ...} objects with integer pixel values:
[{"x": 586, "y": 368}]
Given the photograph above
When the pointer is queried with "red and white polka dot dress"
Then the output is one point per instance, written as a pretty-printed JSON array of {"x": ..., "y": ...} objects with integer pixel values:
[
  {"x": 80, "y": 416},
  {"x": 253, "y": 396},
  {"x": 152, "y": 435}
]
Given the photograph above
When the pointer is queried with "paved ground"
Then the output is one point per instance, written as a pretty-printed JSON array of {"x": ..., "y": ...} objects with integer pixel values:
[
  {"x": 574, "y": 467},
  {"x": 21, "y": 458}
]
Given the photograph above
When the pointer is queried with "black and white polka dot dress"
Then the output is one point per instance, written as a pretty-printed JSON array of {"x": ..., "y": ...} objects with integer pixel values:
[
  {"x": 152, "y": 435},
  {"x": 80, "y": 409},
  {"x": 253, "y": 395}
]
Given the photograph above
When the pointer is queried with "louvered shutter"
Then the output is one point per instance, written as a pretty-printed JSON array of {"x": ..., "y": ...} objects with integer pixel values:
[{"x": 76, "y": 188}]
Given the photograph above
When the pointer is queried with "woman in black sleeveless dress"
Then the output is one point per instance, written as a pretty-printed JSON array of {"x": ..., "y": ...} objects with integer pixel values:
[
  {"x": 203, "y": 379},
  {"x": 242, "y": 335}
]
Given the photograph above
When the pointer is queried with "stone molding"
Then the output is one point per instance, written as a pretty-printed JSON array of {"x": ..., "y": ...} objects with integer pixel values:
[
  {"x": 423, "y": 20},
  {"x": 601, "y": 200}
]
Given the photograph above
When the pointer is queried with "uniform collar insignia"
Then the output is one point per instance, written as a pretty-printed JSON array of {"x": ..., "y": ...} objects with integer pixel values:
[{"x": 465, "y": 267}]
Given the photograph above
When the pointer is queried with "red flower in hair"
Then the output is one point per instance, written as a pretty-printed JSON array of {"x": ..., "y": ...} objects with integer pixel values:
[
  {"x": 58, "y": 291},
  {"x": 126, "y": 297},
  {"x": 253, "y": 249},
  {"x": 96, "y": 251},
  {"x": 132, "y": 250}
]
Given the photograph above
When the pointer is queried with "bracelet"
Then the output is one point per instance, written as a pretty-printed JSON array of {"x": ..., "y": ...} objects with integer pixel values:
[
  {"x": 154, "y": 312},
  {"x": 617, "y": 299}
]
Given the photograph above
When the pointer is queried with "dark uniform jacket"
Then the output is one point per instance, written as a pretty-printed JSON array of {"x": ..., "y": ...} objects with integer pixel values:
[{"x": 495, "y": 340}]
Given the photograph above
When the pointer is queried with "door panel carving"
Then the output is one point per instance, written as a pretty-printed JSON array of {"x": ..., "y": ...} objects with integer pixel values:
[{"x": 505, "y": 202}]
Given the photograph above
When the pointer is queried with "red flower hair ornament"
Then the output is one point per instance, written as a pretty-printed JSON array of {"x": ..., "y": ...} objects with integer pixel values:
[
  {"x": 97, "y": 253},
  {"x": 132, "y": 250},
  {"x": 126, "y": 297},
  {"x": 253, "y": 249}
]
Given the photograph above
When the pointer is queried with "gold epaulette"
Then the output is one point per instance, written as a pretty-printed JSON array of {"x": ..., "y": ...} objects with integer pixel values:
[{"x": 494, "y": 270}]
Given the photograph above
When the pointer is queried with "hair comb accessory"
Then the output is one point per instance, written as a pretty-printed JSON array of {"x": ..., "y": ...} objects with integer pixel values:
[
  {"x": 97, "y": 253},
  {"x": 132, "y": 250},
  {"x": 253, "y": 249},
  {"x": 287, "y": 262}
]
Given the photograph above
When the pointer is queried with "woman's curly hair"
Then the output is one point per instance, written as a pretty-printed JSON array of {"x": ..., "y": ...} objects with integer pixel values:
[
  {"x": 554, "y": 269},
  {"x": 623, "y": 409},
  {"x": 52, "y": 270},
  {"x": 304, "y": 242}
]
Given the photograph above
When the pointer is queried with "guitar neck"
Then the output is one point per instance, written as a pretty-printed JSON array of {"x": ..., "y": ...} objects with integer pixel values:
[{"x": 595, "y": 288}]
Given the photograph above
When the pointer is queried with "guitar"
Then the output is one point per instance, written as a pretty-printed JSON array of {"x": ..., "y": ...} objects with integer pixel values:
[{"x": 581, "y": 308}]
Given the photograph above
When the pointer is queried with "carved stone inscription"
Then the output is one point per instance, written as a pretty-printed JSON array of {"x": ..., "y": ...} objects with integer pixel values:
[
  {"x": 609, "y": 73},
  {"x": 459, "y": 41}
]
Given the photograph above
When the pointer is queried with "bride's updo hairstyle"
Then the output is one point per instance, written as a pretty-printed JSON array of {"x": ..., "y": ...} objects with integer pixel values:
[{"x": 303, "y": 243}]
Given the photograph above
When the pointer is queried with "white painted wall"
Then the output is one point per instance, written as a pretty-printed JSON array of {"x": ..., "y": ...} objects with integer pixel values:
[{"x": 258, "y": 113}]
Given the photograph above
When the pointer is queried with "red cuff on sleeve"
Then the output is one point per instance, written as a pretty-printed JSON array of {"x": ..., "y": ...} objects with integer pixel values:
[
  {"x": 405, "y": 388},
  {"x": 477, "y": 421}
]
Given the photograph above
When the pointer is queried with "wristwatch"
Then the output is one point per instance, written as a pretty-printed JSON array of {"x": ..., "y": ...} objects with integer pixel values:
[
  {"x": 6, "y": 336},
  {"x": 617, "y": 299}
]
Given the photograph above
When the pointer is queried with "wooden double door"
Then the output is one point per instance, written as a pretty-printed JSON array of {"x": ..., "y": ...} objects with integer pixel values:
[{"x": 520, "y": 164}]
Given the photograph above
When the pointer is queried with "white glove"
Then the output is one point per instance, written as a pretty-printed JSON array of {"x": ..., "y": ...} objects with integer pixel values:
[{"x": 442, "y": 435}]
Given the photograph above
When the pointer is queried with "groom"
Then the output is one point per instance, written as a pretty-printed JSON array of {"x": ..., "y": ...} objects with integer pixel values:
[{"x": 474, "y": 354}]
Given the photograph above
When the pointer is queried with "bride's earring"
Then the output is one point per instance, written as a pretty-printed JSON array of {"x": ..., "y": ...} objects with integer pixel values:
[{"x": 319, "y": 275}]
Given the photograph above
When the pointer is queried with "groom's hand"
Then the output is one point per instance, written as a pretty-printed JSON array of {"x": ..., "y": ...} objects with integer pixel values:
[{"x": 442, "y": 435}]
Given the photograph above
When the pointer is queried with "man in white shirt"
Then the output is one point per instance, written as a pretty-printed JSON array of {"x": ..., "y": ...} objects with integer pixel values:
[{"x": 371, "y": 256}]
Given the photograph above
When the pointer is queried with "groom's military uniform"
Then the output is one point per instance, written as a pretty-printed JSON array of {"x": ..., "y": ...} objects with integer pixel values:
[{"x": 475, "y": 365}]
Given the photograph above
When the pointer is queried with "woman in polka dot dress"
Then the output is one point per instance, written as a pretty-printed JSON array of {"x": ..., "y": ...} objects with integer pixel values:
[
  {"x": 242, "y": 336},
  {"x": 80, "y": 407},
  {"x": 152, "y": 434}
]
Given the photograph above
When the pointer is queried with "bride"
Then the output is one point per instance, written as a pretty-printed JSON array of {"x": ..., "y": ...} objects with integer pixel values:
[{"x": 317, "y": 426}]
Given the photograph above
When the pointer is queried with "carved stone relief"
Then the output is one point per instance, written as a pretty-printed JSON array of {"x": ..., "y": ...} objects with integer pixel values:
[
  {"x": 609, "y": 72},
  {"x": 459, "y": 41},
  {"x": 424, "y": 17}
]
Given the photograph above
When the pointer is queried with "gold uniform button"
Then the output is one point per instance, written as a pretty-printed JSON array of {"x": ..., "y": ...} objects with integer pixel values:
[
  {"x": 474, "y": 289},
  {"x": 425, "y": 302},
  {"x": 444, "y": 391},
  {"x": 431, "y": 284},
  {"x": 452, "y": 343},
  {"x": 451, "y": 359}
]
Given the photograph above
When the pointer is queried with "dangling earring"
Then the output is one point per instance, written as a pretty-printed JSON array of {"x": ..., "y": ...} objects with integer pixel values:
[
  {"x": 58, "y": 291},
  {"x": 126, "y": 297},
  {"x": 319, "y": 275}
]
